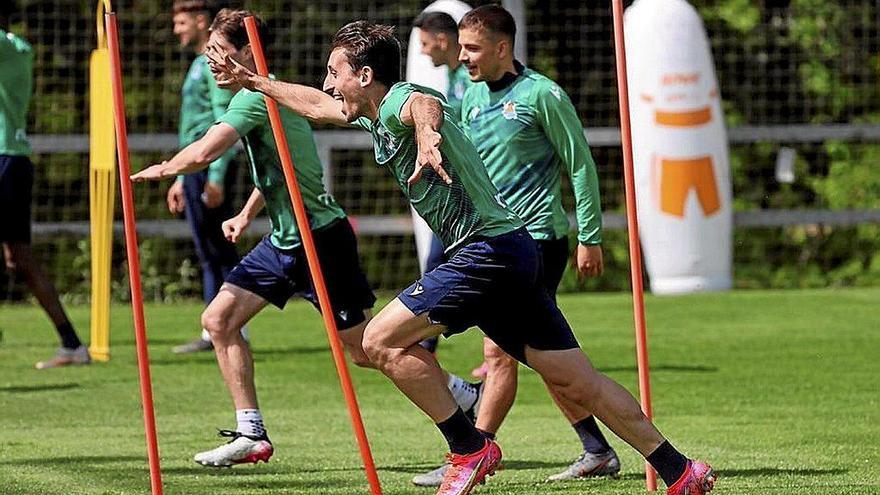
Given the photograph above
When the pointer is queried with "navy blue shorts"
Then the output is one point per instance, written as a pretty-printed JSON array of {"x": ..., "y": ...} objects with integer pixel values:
[
  {"x": 16, "y": 183},
  {"x": 276, "y": 275},
  {"x": 494, "y": 284},
  {"x": 554, "y": 259}
]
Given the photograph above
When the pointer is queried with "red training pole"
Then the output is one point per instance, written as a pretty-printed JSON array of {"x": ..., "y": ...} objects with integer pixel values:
[
  {"x": 632, "y": 222},
  {"x": 314, "y": 266},
  {"x": 131, "y": 248}
]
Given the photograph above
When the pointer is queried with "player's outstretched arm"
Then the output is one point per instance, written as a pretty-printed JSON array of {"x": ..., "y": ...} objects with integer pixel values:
[
  {"x": 425, "y": 113},
  {"x": 313, "y": 104},
  {"x": 235, "y": 227},
  {"x": 195, "y": 157}
]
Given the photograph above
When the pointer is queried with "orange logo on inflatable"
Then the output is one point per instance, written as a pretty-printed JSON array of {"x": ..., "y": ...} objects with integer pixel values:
[{"x": 677, "y": 177}]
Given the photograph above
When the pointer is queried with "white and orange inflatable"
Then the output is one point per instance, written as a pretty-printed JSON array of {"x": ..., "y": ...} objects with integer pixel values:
[{"x": 680, "y": 149}]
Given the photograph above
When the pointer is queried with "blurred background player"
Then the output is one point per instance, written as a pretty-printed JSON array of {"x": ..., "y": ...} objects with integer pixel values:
[
  {"x": 526, "y": 129},
  {"x": 202, "y": 196},
  {"x": 16, "y": 184}
]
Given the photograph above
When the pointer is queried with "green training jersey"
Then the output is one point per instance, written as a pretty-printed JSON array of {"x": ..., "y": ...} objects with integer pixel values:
[
  {"x": 459, "y": 82},
  {"x": 201, "y": 103},
  {"x": 470, "y": 206},
  {"x": 525, "y": 133},
  {"x": 247, "y": 114},
  {"x": 16, "y": 83}
]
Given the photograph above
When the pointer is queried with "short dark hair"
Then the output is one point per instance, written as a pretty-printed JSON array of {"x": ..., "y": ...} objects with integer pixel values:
[
  {"x": 493, "y": 18},
  {"x": 230, "y": 24},
  {"x": 437, "y": 22},
  {"x": 373, "y": 45},
  {"x": 192, "y": 7}
]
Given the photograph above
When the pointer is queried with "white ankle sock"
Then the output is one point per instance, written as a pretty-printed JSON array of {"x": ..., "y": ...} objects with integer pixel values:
[
  {"x": 464, "y": 393},
  {"x": 250, "y": 422}
]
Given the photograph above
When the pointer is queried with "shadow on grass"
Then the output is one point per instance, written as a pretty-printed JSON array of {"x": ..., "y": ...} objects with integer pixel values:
[
  {"x": 259, "y": 355},
  {"x": 661, "y": 368},
  {"x": 514, "y": 465},
  {"x": 85, "y": 459},
  {"x": 768, "y": 471},
  {"x": 27, "y": 389}
]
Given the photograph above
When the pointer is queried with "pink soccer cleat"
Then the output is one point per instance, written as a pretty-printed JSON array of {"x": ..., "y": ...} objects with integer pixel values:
[
  {"x": 697, "y": 479},
  {"x": 466, "y": 471},
  {"x": 242, "y": 449}
]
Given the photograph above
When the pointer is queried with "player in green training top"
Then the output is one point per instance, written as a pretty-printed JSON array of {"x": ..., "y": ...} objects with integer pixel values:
[
  {"x": 526, "y": 130},
  {"x": 491, "y": 277},
  {"x": 16, "y": 184},
  {"x": 202, "y": 196},
  {"x": 276, "y": 268}
]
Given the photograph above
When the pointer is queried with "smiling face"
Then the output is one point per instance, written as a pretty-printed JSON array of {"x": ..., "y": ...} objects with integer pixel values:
[
  {"x": 221, "y": 46},
  {"x": 190, "y": 28},
  {"x": 483, "y": 53},
  {"x": 346, "y": 85}
]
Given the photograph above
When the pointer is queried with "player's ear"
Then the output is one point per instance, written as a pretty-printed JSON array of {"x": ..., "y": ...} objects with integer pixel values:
[
  {"x": 202, "y": 22},
  {"x": 442, "y": 40},
  {"x": 366, "y": 76},
  {"x": 245, "y": 52}
]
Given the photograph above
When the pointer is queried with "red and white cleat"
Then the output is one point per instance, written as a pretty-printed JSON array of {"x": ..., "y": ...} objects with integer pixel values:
[
  {"x": 242, "y": 449},
  {"x": 466, "y": 471},
  {"x": 697, "y": 479}
]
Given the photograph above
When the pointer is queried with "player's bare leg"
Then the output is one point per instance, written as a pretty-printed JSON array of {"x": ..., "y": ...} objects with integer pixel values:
[{"x": 392, "y": 342}]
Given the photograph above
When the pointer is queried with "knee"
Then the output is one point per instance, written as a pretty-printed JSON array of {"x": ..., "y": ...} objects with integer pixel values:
[
  {"x": 497, "y": 359},
  {"x": 216, "y": 325},
  {"x": 375, "y": 347}
]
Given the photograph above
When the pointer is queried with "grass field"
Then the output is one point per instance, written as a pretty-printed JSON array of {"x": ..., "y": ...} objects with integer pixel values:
[{"x": 777, "y": 389}]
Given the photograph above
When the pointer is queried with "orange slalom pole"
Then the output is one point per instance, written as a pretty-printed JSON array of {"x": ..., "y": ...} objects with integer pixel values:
[
  {"x": 632, "y": 222},
  {"x": 314, "y": 265},
  {"x": 131, "y": 248}
]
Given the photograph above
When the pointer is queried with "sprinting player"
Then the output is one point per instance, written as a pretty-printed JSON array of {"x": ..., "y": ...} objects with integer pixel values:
[
  {"x": 276, "y": 269},
  {"x": 526, "y": 130},
  {"x": 16, "y": 184},
  {"x": 492, "y": 277},
  {"x": 202, "y": 196}
]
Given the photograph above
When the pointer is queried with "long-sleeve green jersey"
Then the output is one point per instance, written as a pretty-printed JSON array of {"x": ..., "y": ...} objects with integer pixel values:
[
  {"x": 247, "y": 114},
  {"x": 16, "y": 83},
  {"x": 467, "y": 208},
  {"x": 459, "y": 82},
  {"x": 201, "y": 103},
  {"x": 525, "y": 132}
]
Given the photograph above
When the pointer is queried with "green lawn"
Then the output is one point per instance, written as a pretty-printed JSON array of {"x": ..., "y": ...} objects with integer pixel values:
[{"x": 777, "y": 389}]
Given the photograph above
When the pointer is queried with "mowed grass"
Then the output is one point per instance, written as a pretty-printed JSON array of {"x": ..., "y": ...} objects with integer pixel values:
[{"x": 777, "y": 389}]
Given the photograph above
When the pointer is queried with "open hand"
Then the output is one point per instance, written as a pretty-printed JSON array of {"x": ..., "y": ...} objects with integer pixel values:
[
  {"x": 153, "y": 172},
  {"x": 429, "y": 156},
  {"x": 227, "y": 71}
]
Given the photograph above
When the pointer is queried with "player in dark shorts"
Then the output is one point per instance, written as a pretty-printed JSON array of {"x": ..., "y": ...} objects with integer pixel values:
[
  {"x": 16, "y": 183},
  {"x": 276, "y": 268}
]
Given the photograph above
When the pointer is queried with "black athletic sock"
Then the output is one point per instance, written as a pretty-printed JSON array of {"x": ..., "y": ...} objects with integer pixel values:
[
  {"x": 591, "y": 436},
  {"x": 68, "y": 335},
  {"x": 490, "y": 436},
  {"x": 460, "y": 433},
  {"x": 669, "y": 463}
]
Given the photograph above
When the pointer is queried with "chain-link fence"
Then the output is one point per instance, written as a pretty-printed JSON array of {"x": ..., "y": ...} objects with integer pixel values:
[{"x": 781, "y": 63}]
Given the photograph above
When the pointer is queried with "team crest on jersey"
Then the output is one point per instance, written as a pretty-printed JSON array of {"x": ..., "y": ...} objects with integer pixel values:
[
  {"x": 509, "y": 110},
  {"x": 458, "y": 90}
]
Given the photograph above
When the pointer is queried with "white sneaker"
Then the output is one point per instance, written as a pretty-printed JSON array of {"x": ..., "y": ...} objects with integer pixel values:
[
  {"x": 589, "y": 465},
  {"x": 241, "y": 449},
  {"x": 66, "y": 357}
]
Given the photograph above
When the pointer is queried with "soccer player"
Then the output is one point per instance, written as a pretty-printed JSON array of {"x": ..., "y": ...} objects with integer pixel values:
[
  {"x": 276, "y": 269},
  {"x": 201, "y": 195},
  {"x": 16, "y": 184},
  {"x": 491, "y": 277},
  {"x": 526, "y": 129}
]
